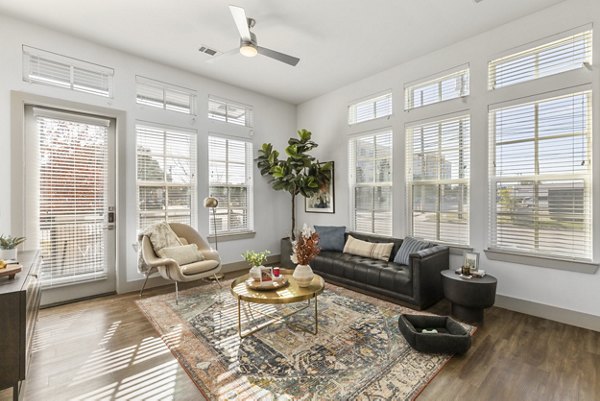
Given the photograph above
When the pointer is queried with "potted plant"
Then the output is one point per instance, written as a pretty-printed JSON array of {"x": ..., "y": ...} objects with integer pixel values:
[
  {"x": 8, "y": 246},
  {"x": 300, "y": 173},
  {"x": 306, "y": 247},
  {"x": 256, "y": 260}
]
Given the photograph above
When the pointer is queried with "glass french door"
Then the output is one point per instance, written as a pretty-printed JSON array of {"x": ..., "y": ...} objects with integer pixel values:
[{"x": 70, "y": 192}]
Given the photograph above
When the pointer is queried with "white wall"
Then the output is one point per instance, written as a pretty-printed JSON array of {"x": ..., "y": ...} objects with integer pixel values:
[
  {"x": 326, "y": 116},
  {"x": 275, "y": 121}
]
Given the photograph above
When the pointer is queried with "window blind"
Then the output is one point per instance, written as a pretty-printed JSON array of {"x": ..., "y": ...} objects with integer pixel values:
[
  {"x": 370, "y": 177},
  {"x": 165, "y": 96},
  {"x": 48, "y": 68},
  {"x": 370, "y": 109},
  {"x": 230, "y": 112},
  {"x": 166, "y": 165},
  {"x": 439, "y": 89},
  {"x": 438, "y": 161},
  {"x": 230, "y": 181},
  {"x": 541, "y": 177},
  {"x": 72, "y": 159},
  {"x": 565, "y": 54}
]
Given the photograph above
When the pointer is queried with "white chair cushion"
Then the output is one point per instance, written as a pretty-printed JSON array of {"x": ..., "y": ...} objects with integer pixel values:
[
  {"x": 199, "y": 267},
  {"x": 183, "y": 254}
]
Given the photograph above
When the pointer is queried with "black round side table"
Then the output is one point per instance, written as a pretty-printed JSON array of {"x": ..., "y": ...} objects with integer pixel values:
[{"x": 469, "y": 296}]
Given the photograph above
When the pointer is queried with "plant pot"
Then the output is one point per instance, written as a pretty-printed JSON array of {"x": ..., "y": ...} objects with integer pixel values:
[
  {"x": 303, "y": 275},
  {"x": 286, "y": 253},
  {"x": 6, "y": 254}
]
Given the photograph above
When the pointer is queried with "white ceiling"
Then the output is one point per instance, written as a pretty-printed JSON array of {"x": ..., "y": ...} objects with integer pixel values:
[{"x": 337, "y": 41}]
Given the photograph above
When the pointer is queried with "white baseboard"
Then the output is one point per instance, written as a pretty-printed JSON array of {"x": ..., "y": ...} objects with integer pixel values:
[{"x": 549, "y": 312}]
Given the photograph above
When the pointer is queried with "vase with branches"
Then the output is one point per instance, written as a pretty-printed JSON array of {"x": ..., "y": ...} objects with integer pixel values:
[{"x": 298, "y": 174}]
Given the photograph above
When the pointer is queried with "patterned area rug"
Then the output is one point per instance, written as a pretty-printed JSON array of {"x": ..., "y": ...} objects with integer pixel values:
[{"x": 358, "y": 354}]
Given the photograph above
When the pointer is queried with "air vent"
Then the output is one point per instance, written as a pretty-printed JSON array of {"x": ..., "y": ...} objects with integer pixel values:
[{"x": 208, "y": 50}]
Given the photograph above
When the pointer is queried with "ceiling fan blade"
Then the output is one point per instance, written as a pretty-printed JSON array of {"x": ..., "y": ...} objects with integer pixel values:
[
  {"x": 284, "y": 58},
  {"x": 241, "y": 22}
]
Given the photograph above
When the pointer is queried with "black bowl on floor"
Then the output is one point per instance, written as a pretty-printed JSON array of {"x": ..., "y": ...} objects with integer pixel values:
[{"x": 451, "y": 337}]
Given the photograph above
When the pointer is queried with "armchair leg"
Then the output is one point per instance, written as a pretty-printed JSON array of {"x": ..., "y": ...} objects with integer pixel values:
[
  {"x": 217, "y": 280},
  {"x": 148, "y": 273},
  {"x": 176, "y": 293}
]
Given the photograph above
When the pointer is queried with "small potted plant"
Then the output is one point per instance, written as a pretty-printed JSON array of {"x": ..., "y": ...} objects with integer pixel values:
[
  {"x": 256, "y": 260},
  {"x": 305, "y": 247},
  {"x": 8, "y": 246}
]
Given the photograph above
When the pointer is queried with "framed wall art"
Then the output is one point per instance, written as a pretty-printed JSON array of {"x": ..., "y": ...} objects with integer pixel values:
[{"x": 324, "y": 200}]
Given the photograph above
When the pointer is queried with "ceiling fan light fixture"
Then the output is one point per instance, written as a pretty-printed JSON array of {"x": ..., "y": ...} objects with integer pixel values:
[{"x": 248, "y": 50}]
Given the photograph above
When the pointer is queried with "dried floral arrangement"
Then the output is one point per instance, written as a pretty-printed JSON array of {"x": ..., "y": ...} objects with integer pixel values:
[{"x": 306, "y": 246}]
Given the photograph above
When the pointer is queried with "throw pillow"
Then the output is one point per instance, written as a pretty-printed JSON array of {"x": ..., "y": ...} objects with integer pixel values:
[
  {"x": 409, "y": 245},
  {"x": 375, "y": 250},
  {"x": 162, "y": 236},
  {"x": 331, "y": 238},
  {"x": 183, "y": 254}
]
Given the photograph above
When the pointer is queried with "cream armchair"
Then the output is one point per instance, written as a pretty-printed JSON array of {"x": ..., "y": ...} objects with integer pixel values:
[{"x": 171, "y": 270}]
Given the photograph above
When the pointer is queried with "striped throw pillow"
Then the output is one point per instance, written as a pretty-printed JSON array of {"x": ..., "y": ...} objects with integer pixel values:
[
  {"x": 409, "y": 245},
  {"x": 372, "y": 250}
]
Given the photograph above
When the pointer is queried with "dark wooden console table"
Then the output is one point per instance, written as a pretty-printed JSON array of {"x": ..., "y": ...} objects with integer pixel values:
[{"x": 19, "y": 305}]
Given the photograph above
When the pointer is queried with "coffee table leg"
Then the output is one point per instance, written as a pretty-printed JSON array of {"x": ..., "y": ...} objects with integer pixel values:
[
  {"x": 316, "y": 317},
  {"x": 239, "y": 318}
]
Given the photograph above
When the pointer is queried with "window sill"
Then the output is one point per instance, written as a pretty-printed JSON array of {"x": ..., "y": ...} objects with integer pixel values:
[
  {"x": 542, "y": 261},
  {"x": 232, "y": 236}
]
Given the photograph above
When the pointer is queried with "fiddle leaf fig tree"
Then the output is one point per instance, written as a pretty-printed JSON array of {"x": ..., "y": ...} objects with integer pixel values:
[{"x": 300, "y": 173}]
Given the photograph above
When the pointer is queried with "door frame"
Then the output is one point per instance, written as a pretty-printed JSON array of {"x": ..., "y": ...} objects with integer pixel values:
[{"x": 18, "y": 102}]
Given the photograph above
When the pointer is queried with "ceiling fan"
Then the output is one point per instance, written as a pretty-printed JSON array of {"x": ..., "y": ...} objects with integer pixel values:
[{"x": 248, "y": 44}]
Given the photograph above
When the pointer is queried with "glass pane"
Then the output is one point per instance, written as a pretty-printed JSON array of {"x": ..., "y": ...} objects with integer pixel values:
[
  {"x": 151, "y": 198},
  {"x": 425, "y": 197},
  {"x": 363, "y": 198}
]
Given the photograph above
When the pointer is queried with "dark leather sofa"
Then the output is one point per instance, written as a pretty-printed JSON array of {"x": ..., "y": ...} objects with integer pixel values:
[{"x": 418, "y": 285}]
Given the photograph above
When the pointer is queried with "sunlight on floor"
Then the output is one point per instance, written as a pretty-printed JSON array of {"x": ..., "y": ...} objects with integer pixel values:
[{"x": 155, "y": 383}]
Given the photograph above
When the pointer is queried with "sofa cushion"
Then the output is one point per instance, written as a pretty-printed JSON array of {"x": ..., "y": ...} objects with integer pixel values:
[
  {"x": 373, "y": 250},
  {"x": 183, "y": 254},
  {"x": 331, "y": 238},
  {"x": 199, "y": 267},
  {"x": 409, "y": 245}
]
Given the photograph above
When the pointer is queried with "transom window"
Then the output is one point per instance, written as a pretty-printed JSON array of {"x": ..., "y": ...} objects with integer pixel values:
[
  {"x": 165, "y": 96},
  {"x": 43, "y": 67},
  {"x": 371, "y": 182},
  {"x": 446, "y": 86},
  {"x": 370, "y": 109},
  {"x": 230, "y": 181},
  {"x": 438, "y": 179},
  {"x": 565, "y": 54},
  {"x": 231, "y": 112},
  {"x": 541, "y": 177}
]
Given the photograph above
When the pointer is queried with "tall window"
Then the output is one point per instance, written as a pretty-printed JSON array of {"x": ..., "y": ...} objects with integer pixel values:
[
  {"x": 230, "y": 112},
  {"x": 43, "y": 67},
  {"x": 541, "y": 177},
  {"x": 165, "y": 96},
  {"x": 446, "y": 86},
  {"x": 371, "y": 182},
  {"x": 438, "y": 179},
  {"x": 230, "y": 181},
  {"x": 370, "y": 109},
  {"x": 166, "y": 169},
  {"x": 565, "y": 54}
]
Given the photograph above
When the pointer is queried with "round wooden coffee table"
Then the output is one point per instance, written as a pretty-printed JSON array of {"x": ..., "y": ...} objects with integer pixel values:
[{"x": 289, "y": 294}]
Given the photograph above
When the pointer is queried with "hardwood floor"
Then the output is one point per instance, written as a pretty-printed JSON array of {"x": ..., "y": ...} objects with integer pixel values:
[{"x": 105, "y": 349}]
